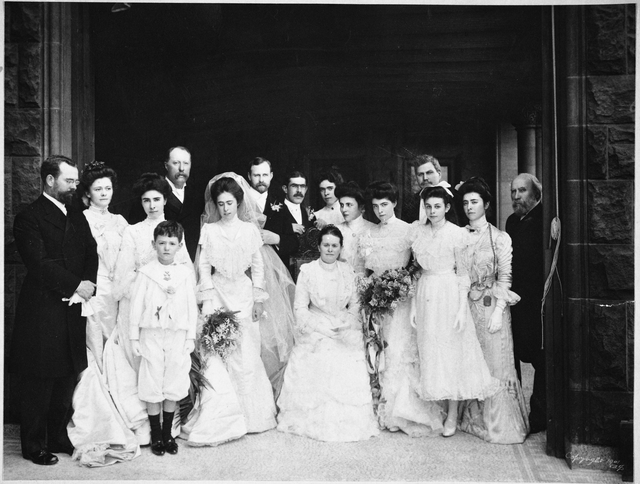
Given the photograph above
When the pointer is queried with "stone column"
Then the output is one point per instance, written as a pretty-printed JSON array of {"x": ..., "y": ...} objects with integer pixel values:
[
  {"x": 596, "y": 47},
  {"x": 527, "y": 124}
]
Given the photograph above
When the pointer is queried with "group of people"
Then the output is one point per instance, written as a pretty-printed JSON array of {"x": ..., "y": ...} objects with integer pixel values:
[{"x": 104, "y": 356}]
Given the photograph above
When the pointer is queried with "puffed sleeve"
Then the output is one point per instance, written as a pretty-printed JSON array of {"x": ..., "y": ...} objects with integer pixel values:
[
  {"x": 304, "y": 318},
  {"x": 459, "y": 243},
  {"x": 504, "y": 254},
  {"x": 205, "y": 284},
  {"x": 257, "y": 277}
]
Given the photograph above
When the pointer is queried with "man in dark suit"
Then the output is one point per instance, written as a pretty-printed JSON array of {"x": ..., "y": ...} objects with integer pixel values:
[
  {"x": 48, "y": 348},
  {"x": 291, "y": 219},
  {"x": 184, "y": 205},
  {"x": 260, "y": 176},
  {"x": 524, "y": 227},
  {"x": 428, "y": 172}
]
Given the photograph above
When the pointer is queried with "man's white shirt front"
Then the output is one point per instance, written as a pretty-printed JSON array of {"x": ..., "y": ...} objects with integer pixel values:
[{"x": 295, "y": 210}]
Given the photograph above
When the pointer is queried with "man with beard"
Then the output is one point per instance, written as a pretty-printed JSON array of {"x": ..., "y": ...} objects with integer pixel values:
[
  {"x": 260, "y": 177},
  {"x": 184, "y": 205},
  {"x": 48, "y": 349},
  {"x": 524, "y": 227},
  {"x": 428, "y": 172},
  {"x": 291, "y": 220}
]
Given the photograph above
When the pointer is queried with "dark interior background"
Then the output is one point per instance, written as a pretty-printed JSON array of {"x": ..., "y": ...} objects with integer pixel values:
[{"x": 309, "y": 86}]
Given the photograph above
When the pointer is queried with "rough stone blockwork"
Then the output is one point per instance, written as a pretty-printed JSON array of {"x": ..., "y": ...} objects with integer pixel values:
[{"x": 610, "y": 130}]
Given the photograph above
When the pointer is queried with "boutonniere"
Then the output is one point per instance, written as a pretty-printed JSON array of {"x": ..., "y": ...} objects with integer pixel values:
[
  {"x": 311, "y": 214},
  {"x": 276, "y": 207}
]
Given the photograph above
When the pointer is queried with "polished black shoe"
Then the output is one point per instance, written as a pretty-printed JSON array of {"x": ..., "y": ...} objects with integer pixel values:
[
  {"x": 171, "y": 446},
  {"x": 157, "y": 447},
  {"x": 42, "y": 458}
]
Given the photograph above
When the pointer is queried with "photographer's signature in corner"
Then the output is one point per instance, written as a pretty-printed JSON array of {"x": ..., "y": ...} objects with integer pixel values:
[{"x": 615, "y": 465}]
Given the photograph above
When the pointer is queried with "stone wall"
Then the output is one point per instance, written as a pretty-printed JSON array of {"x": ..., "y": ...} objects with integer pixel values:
[
  {"x": 24, "y": 141},
  {"x": 600, "y": 303}
]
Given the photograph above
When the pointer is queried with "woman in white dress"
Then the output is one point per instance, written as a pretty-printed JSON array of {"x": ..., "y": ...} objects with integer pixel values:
[
  {"x": 352, "y": 206},
  {"x": 501, "y": 418},
  {"x": 228, "y": 247},
  {"x": 326, "y": 394},
  {"x": 96, "y": 429},
  {"x": 386, "y": 246},
  {"x": 452, "y": 366},
  {"x": 217, "y": 417}
]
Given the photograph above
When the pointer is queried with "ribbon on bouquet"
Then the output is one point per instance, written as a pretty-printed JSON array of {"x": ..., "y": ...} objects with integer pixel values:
[{"x": 374, "y": 354}]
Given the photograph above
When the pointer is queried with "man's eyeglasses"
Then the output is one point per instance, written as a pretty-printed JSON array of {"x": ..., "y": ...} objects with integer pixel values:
[{"x": 298, "y": 187}]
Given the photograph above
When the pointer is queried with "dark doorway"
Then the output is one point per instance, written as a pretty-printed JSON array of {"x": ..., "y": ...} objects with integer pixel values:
[{"x": 359, "y": 87}]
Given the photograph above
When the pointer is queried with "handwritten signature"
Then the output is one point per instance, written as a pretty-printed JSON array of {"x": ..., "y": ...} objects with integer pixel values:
[{"x": 613, "y": 464}]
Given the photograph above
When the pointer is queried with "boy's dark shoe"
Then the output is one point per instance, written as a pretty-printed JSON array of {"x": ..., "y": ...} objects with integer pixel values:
[
  {"x": 157, "y": 447},
  {"x": 171, "y": 446}
]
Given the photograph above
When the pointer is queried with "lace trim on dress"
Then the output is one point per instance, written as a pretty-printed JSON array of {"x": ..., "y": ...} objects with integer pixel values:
[{"x": 231, "y": 258}]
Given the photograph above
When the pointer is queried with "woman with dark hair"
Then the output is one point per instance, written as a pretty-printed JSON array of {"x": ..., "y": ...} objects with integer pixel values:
[
  {"x": 452, "y": 366},
  {"x": 352, "y": 206},
  {"x": 501, "y": 418},
  {"x": 326, "y": 394},
  {"x": 96, "y": 429},
  {"x": 383, "y": 247},
  {"x": 97, "y": 183},
  {"x": 120, "y": 364},
  {"x": 330, "y": 213},
  {"x": 228, "y": 247}
]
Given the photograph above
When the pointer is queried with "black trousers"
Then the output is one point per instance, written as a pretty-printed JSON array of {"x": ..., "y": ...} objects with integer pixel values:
[
  {"x": 527, "y": 340},
  {"x": 45, "y": 410}
]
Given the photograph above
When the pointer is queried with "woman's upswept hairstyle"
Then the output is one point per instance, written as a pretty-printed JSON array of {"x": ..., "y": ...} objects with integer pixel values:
[
  {"x": 226, "y": 185},
  {"x": 440, "y": 192},
  {"x": 151, "y": 181},
  {"x": 382, "y": 189},
  {"x": 94, "y": 171},
  {"x": 351, "y": 189},
  {"x": 476, "y": 184}
]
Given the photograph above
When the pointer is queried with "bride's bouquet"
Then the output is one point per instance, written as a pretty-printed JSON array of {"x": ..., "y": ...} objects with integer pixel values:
[
  {"x": 220, "y": 333},
  {"x": 380, "y": 295}
]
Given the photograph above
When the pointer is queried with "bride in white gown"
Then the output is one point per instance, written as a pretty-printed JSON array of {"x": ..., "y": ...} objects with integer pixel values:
[{"x": 230, "y": 245}]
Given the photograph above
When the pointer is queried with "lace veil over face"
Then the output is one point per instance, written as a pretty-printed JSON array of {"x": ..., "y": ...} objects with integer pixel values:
[
  {"x": 277, "y": 320},
  {"x": 248, "y": 210}
]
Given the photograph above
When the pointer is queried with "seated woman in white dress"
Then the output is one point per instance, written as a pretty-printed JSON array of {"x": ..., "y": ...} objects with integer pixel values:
[
  {"x": 452, "y": 366},
  {"x": 228, "y": 248},
  {"x": 501, "y": 418},
  {"x": 326, "y": 394}
]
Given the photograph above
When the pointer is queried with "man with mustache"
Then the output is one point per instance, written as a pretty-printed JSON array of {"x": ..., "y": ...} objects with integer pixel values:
[
  {"x": 184, "y": 205},
  {"x": 292, "y": 219},
  {"x": 428, "y": 172},
  {"x": 48, "y": 345},
  {"x": 260, "y": 177},
  {"x": 524, "y": 227}
]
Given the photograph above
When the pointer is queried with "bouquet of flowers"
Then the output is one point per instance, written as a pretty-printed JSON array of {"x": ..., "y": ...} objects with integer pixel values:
[
  {"x": 380, "y": 295},
  {"x": 220, "y": 333}
]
